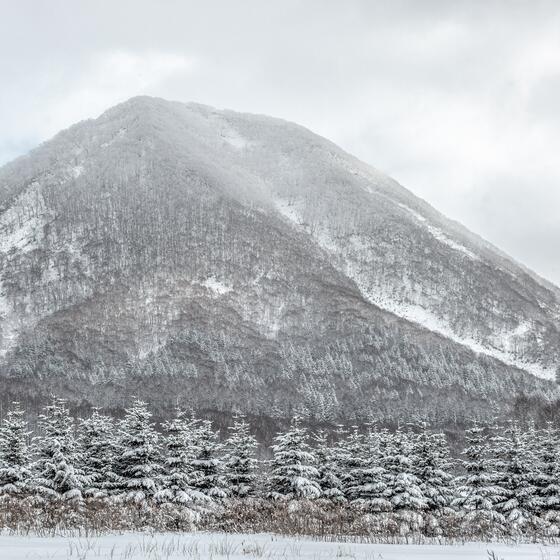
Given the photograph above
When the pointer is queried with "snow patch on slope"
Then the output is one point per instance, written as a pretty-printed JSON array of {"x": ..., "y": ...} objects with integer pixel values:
[
  {"x": 417, "y": 314},
  {"x": 21, "y": 230},
  {"x": 216, "y": 286},
  {"x": 424, "y": 318},
  {"x": 118, "y": 135},
  {"x": 21, "y": 225},
  {"x": 233, "y": 138},
  {"x": 439, "y": 235},
  {"x": 289, "y": 210}
]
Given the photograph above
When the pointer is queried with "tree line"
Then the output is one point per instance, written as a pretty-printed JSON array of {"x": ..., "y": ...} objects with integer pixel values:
[{"x": 406, "y": 481}]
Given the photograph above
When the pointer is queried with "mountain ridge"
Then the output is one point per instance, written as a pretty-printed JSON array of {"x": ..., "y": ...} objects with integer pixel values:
[{"x": 178, "y": 238}]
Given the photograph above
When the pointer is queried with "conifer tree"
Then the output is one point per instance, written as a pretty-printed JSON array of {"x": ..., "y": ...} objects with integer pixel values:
[
  {"x": 293, "y": 472},
  {"x": 351, "y": 459},
  {"x": 433, "y": 470},
  {"x": 98, "y": 448},
  {"x": 519, "y": 498},
  {"x": 368, "y": 474},
  {"x": 207, "y": 463},
  {"x": 136, "y": 465},
  {"x": 547, "y": 481},
  {"x": 328, "y": 466},
  {"x": 56, "y": 472},
  {"x": 177, "y": 481},
  {"x": 240, "y": 461},
  {"x": 403, "y": 486},
  {"x": 14, "y": 454},
  {"x": 477, "y": 492}
]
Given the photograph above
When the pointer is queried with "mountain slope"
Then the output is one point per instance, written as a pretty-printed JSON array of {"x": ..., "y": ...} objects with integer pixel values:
[{"x": 169, "y": 249}]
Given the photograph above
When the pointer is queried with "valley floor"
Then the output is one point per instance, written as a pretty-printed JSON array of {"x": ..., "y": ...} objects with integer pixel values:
[{"x": 218, "y": 546}]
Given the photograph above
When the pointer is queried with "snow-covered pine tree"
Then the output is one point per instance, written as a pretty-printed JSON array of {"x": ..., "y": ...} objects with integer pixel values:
[
  {"x": 327, "y": 456},
  {"x": 98, "y": 447},
  {"x": 548, "y": 478},
  {"x": 177, "y": 481},
  {"x": 14, "y": 454},
  {"x": 137, "y": 460},
  {"x": 207, "y": 463},
  {"x": 403, "y": 486},
  {"x": 240, "y": 460},
  {"x": 433, "y": 469},
  {"x": 56, "y": 472},
  {"x": 368, "y": 474},
  {"x": 477, "y": 493},
  {"x": 351, "y": 458},
  {"x": 518, "y": 501},
  {"x": 293, "y": 473}
]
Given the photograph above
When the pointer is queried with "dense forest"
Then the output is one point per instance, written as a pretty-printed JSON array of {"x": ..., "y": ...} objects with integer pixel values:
[{"x": 107, "y": 474}]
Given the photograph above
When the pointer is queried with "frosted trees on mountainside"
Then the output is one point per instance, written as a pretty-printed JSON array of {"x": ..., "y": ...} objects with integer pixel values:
[
  {"x": 293, "y": 473},
  {"x": 14, "y": 453}
]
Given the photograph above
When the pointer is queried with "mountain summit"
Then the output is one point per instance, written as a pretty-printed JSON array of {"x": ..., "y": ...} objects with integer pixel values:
[{"x": 238, "y": 261}]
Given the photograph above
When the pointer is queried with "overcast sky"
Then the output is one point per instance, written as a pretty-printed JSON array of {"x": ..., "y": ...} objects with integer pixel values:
[{"x": 459, "y": 101}]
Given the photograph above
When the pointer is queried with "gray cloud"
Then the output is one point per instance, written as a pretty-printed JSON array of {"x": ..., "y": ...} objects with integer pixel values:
[{"x": 456, "y": 100}]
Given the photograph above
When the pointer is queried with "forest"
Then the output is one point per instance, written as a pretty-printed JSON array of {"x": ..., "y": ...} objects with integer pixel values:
[{"x": 100, "y": 474}]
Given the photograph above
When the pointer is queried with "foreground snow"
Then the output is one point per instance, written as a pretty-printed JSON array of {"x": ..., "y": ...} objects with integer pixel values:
[{"x": 216, "y": 546}]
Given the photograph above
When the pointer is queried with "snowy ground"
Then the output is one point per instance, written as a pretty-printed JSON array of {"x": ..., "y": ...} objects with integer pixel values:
[{"x": 202, "y": 546}]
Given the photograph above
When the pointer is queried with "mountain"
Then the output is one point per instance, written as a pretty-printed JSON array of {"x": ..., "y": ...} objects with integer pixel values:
[{"x": 237, "y": 261}]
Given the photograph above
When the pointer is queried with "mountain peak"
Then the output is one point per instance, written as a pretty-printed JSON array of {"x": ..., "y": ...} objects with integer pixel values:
[{"x": 178, "y": 248}]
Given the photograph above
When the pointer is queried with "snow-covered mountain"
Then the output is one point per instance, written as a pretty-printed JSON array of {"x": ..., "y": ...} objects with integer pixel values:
[{"x": 240, "y": 261}]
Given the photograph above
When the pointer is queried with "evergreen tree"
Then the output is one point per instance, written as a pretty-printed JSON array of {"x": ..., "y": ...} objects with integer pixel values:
[
  {"x": 136, "y": 465},
  {"x": 178, "y": 477},
  {"x": 519, "y": 497},
  {"x": 548, "y": 478},
  {"x": 433, "y": 470},
  {"x": 207, "y": 463},
  {"x": 293, "y": 472},
  {"x": 477, "y": 492},
  {"x": 403, "y": 486},
  {"x": 368, "y": 474},
  {"x": 351, "y": 460},
  {"x": 14, "y": 455},
  {"x": 56, "y": 474},
  {"x": 240, "y": 460},
  {"x": 328, "y": 466},
  {"x": 98, "y": 448}
]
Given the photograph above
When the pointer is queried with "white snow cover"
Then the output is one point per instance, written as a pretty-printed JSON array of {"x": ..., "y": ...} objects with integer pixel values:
[
  {"x": 216, "y": 286},
  {"x": 119, "y": 134},
  {"x": 21, "y": 225},
  {"x": 202, "y": 546},
  {"x": 416, "y": 313},
  {"x": 439, "y": 235},
  {"x": 21, "y": 229},
  {"x": 428, "y": 320}
]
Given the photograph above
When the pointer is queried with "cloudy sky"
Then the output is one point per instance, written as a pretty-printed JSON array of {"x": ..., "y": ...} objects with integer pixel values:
[{"x": 458, "y": 100}]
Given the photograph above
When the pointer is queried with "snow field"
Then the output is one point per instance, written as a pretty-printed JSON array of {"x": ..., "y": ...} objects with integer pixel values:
[{"x": 216, "y": 546}]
